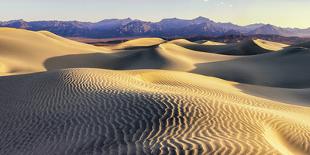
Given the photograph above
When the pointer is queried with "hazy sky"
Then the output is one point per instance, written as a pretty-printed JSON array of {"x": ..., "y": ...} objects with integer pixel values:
[{"x": 285, "y": 13}]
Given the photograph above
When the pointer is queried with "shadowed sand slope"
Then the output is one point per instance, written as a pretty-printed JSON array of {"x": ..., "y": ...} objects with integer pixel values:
[
  {"x": 248, "y": 47},
  {"x": 286, "y": 68},
  {"x": 93, "y": 111},
  {"x": 164, "y": 56},
  {"x": 285, "y": 95}
]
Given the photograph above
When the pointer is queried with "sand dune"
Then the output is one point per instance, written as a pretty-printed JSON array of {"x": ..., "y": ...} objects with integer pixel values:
[
  {"x": 248, "y": 47},
  {"x": 91, "y": 111},
  {"x": 285, "y": 69},
  {"x": 26, "y": 51},
  {"x": 47, "y": 51},
  {"x": 164, "y": 56},
  {"x": 99, "y": 111},
  {"x": 269, "y": 45}
]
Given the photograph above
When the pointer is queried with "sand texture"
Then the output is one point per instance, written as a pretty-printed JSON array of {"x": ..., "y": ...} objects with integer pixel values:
[{"x": 151, "y": 96}]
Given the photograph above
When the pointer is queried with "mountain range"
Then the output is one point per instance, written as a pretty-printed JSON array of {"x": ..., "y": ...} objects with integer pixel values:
[{"x": 169, "y": 28}]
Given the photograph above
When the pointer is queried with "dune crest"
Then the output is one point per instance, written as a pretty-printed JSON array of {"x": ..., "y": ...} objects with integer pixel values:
[
  {"x": 269, "y": 45},
  {"x": 213, "y": 43},
  {"x": 141, "y": 42},
  {"x": 247, "y": 47}
]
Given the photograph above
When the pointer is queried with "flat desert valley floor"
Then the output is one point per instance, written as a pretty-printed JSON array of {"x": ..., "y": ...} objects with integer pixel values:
[{"x": 152, "y": 96}]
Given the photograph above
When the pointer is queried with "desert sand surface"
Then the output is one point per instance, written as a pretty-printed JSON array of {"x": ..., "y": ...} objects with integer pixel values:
[
  {"x": 26, "y": 51},
  {"x": 89, "y": 111},
  {"x": 286, "y": 68},
  {"x": 151, "y": 96},
  {"x": 247, "y": 47}
]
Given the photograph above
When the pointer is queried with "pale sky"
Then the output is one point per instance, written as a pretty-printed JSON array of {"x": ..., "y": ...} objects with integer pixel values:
[{"x": 285, "y": 13}]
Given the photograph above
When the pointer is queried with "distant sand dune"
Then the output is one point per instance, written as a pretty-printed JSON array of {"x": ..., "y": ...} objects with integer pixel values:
[
  {"x": 136, "y": 43},
  {"x": 213, "y": 43},
  {"x": 286, "y": 68},
  {"x": 248, "y": 47},
  {"x": 91, "y": 111},
  {"x": 164, "y": 56}
]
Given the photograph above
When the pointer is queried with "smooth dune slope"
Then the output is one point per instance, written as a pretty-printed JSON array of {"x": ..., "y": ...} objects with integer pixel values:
[
  {"x": 286, "y": 69},
  {"x": 93, "y": 111},
  {"x": 247, "y": 47},
  {"x": 24, "y": 51},
  {"x": 286, "y": 95}
]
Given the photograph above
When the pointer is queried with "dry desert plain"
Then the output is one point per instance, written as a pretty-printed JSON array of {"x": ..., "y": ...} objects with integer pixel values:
[{"x": 151, "y": 96}]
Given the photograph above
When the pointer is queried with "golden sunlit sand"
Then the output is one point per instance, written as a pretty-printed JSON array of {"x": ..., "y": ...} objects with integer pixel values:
[
  {"x": 151, "y": 96},
  {"x": 141, "y": 42}
]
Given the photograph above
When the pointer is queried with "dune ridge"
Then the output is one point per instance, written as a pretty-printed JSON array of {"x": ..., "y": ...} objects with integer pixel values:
[
  {"x": 138, "y": 43},
  {"x": 247, "y": 47},
  {"x": 93, "y": 111},
  {"x": 213, "y": 43}
]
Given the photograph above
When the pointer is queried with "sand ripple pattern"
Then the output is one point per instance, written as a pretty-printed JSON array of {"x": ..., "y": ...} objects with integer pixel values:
[{"x": 93, "y": 111}]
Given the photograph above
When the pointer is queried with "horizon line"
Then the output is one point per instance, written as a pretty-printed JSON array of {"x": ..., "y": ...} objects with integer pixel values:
[{"x": 137, "y": 19}]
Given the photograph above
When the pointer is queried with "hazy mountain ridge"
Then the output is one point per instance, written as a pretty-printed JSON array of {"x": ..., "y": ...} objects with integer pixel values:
[{"x": 172, "y": 27}]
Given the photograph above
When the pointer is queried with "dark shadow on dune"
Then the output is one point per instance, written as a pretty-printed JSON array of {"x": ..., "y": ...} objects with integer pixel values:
[
  {"x": 284, "y": 95},
  {"x": 248, "y": 47},
  {"x": 146, "y": 58},
  {"x": 140, "y": 47},
  {"x": 93, "y": 60},
  {"x": 285, "y": 69}
]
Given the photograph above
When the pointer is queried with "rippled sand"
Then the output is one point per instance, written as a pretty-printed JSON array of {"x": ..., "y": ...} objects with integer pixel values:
[{"x": 104, "y": 105}]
